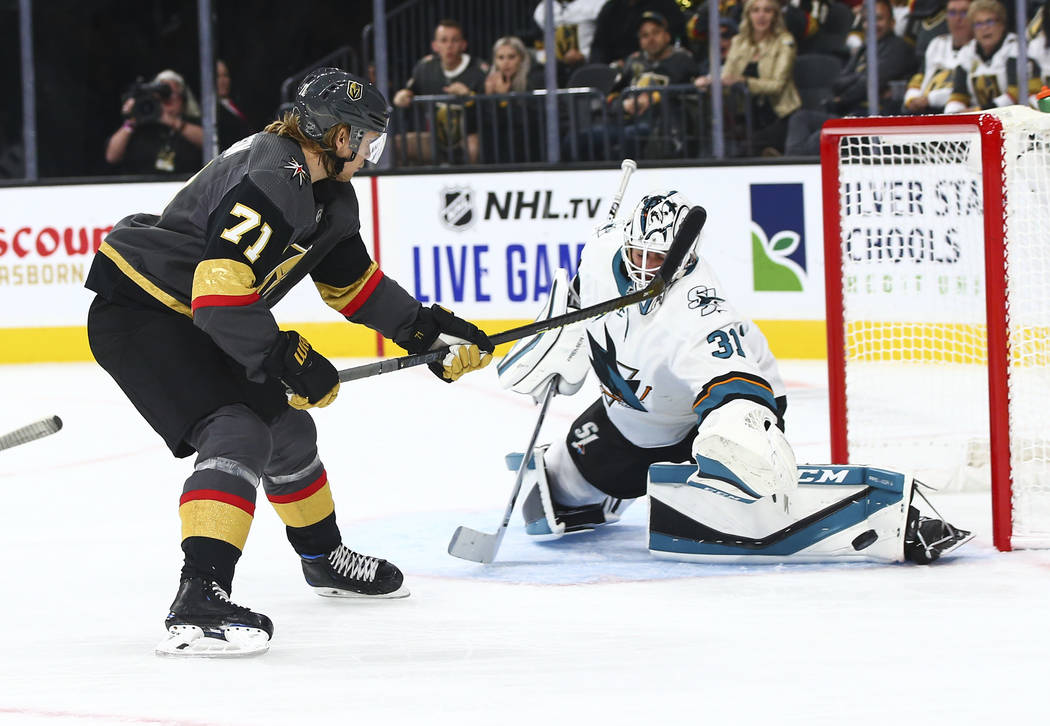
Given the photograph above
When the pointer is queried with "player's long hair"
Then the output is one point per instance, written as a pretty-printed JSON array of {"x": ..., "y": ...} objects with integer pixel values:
[
  {"x": 288, "y": 125},
  {"x": 775, "y": 28}
]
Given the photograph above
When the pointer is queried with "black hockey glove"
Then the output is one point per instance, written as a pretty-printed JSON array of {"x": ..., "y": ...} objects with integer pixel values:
[
  {"x": 312, "y": 377},
  {"x": 471, "y": 349}
]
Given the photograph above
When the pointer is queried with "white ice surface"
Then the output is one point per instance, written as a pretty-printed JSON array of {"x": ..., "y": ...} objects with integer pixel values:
[{"x": 588, "y": 630}]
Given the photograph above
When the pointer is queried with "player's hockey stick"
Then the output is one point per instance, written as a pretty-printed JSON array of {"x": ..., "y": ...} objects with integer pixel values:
[
  {"x": 470, "y": 544},
  {"x": 31, "y": 432},
  {"x": 683, "y": 241}
]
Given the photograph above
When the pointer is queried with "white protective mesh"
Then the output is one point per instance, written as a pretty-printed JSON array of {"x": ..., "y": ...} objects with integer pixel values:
[{"x": 914, "y": 307}]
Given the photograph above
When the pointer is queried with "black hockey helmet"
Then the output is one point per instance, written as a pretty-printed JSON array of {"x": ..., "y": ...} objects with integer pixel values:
[{"x": 331, "y": 96}]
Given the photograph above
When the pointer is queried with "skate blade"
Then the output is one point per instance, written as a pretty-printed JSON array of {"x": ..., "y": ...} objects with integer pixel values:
[
  {"x": 351, "y": 595},
  {"x": 189, "y": 641},
  {"x": 956, "y": 545}
]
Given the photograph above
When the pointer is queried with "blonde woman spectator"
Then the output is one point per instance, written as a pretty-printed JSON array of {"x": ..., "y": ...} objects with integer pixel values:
[
  {"x": 986, "y": 77},
  {"x": 509, "y": 132},
  {"x": 762, "y": 55},
  {"x": 510, "y": 67}
]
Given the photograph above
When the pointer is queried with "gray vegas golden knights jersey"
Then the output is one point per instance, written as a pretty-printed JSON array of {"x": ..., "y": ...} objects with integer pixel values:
[{"x": 237, "y": 237}]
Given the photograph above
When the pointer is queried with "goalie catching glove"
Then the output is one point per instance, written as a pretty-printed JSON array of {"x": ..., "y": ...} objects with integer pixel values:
[
  {"x": 312, "y": 377},
  {"x": 469, "y": 348},
  {"x": 533, "y": 361},
  {"x": 741, "y": 454}
]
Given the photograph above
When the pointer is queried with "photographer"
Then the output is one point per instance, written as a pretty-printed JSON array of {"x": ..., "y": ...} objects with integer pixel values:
[{"x": 161, "y": 131}]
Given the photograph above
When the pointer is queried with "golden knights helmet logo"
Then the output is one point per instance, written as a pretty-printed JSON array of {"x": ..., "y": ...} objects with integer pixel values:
[{"x": 354, "y": 90}]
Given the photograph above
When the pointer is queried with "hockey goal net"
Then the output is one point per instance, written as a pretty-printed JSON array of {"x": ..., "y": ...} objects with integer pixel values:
[{"x": 937, "y": 272}]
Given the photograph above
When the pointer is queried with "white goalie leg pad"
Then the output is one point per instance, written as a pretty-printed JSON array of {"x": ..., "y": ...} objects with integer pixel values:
[
  {"x": 533, "y": 361},
  {"x": 742, "y": 454},
  {"x": 190, "y": 641},
  {"x": 835, "y": 513}
]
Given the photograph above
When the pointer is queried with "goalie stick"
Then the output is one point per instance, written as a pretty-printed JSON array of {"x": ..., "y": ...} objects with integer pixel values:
[
  {"x": 31, "y": 432},
  {"x": 470, "y": 544},
  {"x": 683, "y": 241}
]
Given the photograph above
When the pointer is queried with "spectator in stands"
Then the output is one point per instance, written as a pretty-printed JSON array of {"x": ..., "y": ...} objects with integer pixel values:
[
  {"x": 615, "y": 32},
  {"x": 727, "y": 28},
  {"x": 1037, "y": 23},
  {"x": 804, "y": 18},
  {"x": 1039, "y": 43},
  {"x": 657, "y": 63},
  {"x": 233, "y": 124},
  {"x": 574, "y": 23},
  {"x": 762, "y": 56},
  {"x": 449, "y": 70},
  {"x": 510, "y": 133},
  {"x": 986, "y": 76},
  {"x": 161, "y": 133},
  {"x": 927, "y": 19},
  {"x": 929, "y": 89},
  {"x": 696, "y": 24},
  {"x": 895, "y": 61}
]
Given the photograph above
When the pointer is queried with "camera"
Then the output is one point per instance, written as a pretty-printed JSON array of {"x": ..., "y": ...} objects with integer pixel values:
[{"x": 148, "y": 98}]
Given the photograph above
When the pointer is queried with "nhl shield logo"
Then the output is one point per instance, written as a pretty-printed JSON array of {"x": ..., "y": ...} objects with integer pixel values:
[
  {"x": 457, "y": 208},
  {"x": 354, "y": 91}
]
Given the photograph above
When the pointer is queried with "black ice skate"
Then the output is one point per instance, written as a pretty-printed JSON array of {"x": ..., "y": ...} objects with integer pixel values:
[
  {"x": 927, "y": 538},
  {"x": 345, "y": 573},
  {"x": 204, "y": 622}
]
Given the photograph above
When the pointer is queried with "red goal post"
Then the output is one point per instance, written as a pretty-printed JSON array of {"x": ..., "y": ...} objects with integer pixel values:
[{"x": 937, "y": 276}]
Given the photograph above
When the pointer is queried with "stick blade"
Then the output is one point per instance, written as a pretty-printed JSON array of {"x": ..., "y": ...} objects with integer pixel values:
[
  {"x": 691, "y": 227},
  {"x": 31, "y": 432},
  {"x": 470, "y": 544}
]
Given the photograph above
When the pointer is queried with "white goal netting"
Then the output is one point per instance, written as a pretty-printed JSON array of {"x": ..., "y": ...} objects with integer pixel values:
[{"x": 911, "y": 204}]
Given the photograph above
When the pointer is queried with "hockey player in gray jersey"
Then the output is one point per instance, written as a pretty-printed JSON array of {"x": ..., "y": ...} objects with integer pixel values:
[
  {"x": 686, "y": 378},
  {"x": 182, "y": 323}
]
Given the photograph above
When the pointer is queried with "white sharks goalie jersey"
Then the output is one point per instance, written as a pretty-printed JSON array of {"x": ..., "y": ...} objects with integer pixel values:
[{"x": 665, "y": 363}]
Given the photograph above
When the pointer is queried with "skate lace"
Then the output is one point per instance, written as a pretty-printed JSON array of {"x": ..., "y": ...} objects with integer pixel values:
[
  {"x": 353, "y": 565},
  {"x": 219, "y": 593}
]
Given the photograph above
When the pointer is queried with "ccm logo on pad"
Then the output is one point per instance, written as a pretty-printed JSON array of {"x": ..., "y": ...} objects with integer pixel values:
[{"x": 822, "y": 476}]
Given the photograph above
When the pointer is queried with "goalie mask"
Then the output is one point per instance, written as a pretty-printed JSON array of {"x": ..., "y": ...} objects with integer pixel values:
[
  {"x": 648, "y": 234},
  {"x": 331, "y": 96}
]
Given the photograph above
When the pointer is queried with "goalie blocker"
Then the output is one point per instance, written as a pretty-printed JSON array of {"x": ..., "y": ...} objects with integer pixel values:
[{"x": 835, "y": 513}]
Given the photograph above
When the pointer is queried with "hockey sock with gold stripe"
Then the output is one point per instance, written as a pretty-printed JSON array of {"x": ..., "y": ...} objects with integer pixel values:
[{"x": 303, "y": 501}]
